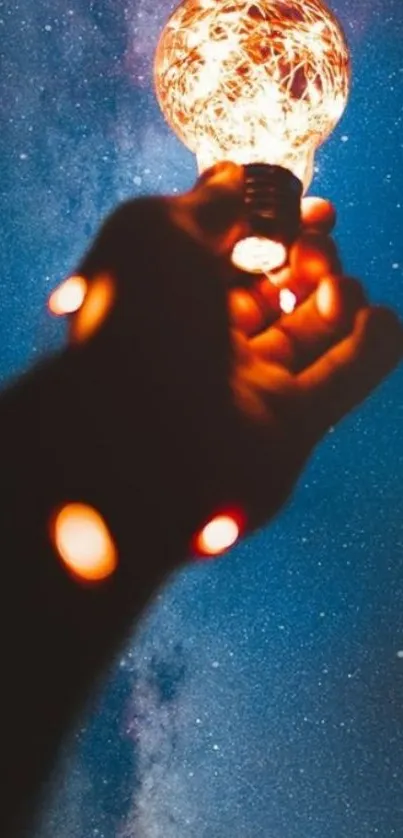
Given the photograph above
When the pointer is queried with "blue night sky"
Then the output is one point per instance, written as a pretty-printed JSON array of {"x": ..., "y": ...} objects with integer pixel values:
[{"x": 262, "y": 695}]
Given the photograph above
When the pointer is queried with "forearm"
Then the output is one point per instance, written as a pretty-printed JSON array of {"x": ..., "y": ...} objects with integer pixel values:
[
  {"x": 56, "y": 633},
  {"x": 89, "y": 427}
]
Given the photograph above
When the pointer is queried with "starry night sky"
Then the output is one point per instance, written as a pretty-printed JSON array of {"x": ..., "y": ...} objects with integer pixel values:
[{"x": 262, "y": 695}]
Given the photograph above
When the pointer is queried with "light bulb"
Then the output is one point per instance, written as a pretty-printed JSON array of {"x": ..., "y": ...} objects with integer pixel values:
[{"x": 261, "y": 82}]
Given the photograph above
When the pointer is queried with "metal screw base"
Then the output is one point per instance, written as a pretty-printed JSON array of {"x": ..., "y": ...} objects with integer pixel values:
[{"x": 273, "y": 202}]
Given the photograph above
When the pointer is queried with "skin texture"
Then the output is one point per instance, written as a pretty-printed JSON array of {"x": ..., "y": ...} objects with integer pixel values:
[{"x": 187, "y": 392}]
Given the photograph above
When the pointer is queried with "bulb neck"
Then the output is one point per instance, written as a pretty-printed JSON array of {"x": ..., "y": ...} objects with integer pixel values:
[{"x": 273, "y": 202}]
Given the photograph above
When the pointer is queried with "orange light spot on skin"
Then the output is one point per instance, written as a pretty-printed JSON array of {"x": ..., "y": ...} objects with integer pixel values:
[
  {"x": 218, "y": 535},
  {"x": 327, "y": 301},
  {"x": 97, "y": 303},
  {"x": 84, "y": 543},
  {"x": 68, "y": 297},
  {"x": 318, "y": 213}
]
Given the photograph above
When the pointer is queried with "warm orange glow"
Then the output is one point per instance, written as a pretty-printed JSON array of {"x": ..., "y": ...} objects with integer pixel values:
[
  {"x": 84, "y": 542},
  {"x": 253, "y": 81},
  {"x": 218, "y": 535},
  {"x": 97, "y": 303},
  {"x": 288, "y": 300},
  {"x": 68, "y": 297}
]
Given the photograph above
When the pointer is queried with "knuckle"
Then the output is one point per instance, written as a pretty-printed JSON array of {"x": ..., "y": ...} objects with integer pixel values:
[
  {"x": 218, "y": 211},
  {"x": 280, "y": 346}
]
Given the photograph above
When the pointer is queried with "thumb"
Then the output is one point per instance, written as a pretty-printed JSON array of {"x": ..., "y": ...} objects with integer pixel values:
[{"x": 213, "y": 211}]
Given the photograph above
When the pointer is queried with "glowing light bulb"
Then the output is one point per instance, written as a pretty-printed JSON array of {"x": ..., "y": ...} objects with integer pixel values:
[{"x": 261, "y": 82}]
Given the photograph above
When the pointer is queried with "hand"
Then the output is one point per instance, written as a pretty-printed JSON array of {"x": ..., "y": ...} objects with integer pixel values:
[{"x": 240, "y": 393}]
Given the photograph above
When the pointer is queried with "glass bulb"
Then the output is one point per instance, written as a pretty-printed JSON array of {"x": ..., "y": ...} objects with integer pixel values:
[
  {"x": 262, "y": 81},
  {"x": 253, "y": 82},
  {"x": 257, "y": 254}
]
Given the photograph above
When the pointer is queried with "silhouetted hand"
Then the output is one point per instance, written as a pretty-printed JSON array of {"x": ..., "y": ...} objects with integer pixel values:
[
  {"x": 185, "y": 391},
  {"x": 238, "y": 391}
]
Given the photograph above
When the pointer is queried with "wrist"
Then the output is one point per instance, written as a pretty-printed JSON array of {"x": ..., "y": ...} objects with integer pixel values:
[{"x": 57, "y": 635}]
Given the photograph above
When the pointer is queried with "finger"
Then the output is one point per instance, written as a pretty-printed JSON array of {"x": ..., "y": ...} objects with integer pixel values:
[
  {"x": 213, "y": 210},
  {"x": 312, "y": 257},
  {"x": 318, "y": 214},
  {"x": 255, "y": 308},
  {"x": 298, "y": 339},
  {"x": 318, "y": 218},
  {"x": 349, "y": 371}
]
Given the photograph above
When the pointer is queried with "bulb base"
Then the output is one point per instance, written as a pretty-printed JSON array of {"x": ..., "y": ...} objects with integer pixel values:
[{"x": 273, "y": 202}]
